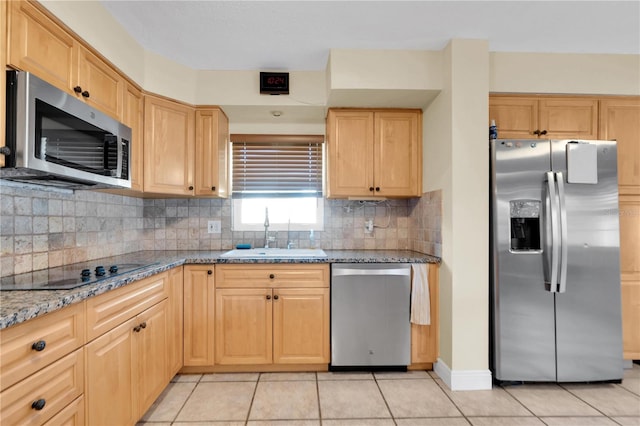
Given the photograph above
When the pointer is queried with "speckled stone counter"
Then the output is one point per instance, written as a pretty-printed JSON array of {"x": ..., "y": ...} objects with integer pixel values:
[{"x": 23, "y": 305}]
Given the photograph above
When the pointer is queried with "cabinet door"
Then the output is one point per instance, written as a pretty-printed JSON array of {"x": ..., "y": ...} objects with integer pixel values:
[
  {"x": 175, "y": 335},
  {"x": 424, "y": 338},
  {"x": 516, "y": 118},
  {"x": 212, "y": 132},
  {"x": 111, "y": 387},
  {"x": 301, "y": 326},
  {"x": 568, "y": 118},
  {"x": 350, "y": 149},
  {"x": 100, "y": 85},
  {"x": 132, "y": 116},
  {"x": 71, "y": 415},
  {"x": 151, "y": 355},
  {"x": 3, "y": 87},
  {"x": 398, "y": 154},
  {"x": 199, "y": 319},
  {"x": 243, "y": 326},
  {"x": 620, "y": 120},
  {"x": 38, "y": 45},
  {"x": 168, "y": 147}
]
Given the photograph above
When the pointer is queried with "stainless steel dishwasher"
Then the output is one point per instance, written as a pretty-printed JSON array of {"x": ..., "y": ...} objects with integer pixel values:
[{"x": 370, "y": 310}]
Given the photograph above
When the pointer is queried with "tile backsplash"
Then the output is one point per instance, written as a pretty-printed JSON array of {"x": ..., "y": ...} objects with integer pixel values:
[{"x": 47, "y": 228}]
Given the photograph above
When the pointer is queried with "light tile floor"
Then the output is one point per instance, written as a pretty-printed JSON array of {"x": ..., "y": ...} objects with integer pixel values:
[{"x": 416, "y": 398}]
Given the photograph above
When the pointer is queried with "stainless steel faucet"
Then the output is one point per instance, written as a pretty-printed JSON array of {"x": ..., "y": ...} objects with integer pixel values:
[{"x": 266, "y": 227}]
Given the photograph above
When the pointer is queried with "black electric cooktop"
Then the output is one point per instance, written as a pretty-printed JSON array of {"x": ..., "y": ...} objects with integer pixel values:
[{"x": 71, "y": 276}]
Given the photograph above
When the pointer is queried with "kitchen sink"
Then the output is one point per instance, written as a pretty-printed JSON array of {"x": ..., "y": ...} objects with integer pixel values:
[{"x": 273, "y": 253}]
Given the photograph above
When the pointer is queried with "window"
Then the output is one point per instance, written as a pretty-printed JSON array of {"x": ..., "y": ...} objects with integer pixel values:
[{"x": 283, "y": 173}]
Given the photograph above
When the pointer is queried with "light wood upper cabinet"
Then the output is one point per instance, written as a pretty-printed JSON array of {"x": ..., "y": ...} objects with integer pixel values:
[
  {"x": 133, "y": 116},
  {"x": 374, "y": 153},
  {"x": 39, "y": 45},
  {"x": 620, "y": 120},
  {"x": 199, "y": 319},
  {"x": 212, "y": 152},
  {"x": 169, "y": 147},
  {"x": 521, "y": 117}
]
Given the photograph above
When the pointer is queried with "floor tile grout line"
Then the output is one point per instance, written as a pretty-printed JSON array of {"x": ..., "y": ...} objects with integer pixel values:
[
  {"x": 175, "y": 418},
  {"x": 576, "y": 396},
  {"x": 393, "y": 419},
  {"x": 516, "y": 400},
  {"x": 452, "y": 401},
  {"x": 253, "y": 397},
  {"x": 318, "y": 399}
]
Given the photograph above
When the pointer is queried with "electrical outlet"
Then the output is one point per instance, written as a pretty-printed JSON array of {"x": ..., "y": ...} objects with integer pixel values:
[
  {"x": 214, "y": 227},
  {"x": 368, "y": 226}
]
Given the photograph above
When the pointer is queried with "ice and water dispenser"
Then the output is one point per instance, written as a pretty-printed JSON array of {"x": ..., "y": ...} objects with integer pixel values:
[{"x": 525, "y": 225}]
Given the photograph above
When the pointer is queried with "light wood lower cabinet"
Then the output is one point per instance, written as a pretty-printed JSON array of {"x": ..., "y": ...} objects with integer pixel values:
[
  {"x": 265, "y": 316},
  {"x": 199, "y": 308},
  {"x": 424, "y": 338},
  {"x": 128, "y": 355},
  {"x": 42, "y": 395},
  {"x": 175, "y": 331}
]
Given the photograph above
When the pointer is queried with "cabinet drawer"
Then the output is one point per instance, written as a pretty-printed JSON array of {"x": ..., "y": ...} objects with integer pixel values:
[
  {"x": 61, "y": 331},
  {"x": 71, "y": 415},
  {"x": 57, "y": 386},
  {"x": 272, "y": 275},
  {"x": 111, "y": 309}
]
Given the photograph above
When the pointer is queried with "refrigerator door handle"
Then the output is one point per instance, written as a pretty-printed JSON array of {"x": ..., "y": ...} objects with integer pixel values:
[
  {"x": 564, "y": 246},
  {"x": 553, "y": 201}
]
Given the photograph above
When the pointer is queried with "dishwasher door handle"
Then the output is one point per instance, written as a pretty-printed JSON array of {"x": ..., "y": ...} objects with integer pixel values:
[{"x": 377, "y": 272}]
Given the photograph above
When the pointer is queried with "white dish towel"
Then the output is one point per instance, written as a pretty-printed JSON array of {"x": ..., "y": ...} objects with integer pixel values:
[{"x": 420, "y": 301}]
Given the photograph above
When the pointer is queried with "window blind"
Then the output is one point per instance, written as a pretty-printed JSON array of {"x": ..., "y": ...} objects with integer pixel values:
[{"x": 276, "y": 165}]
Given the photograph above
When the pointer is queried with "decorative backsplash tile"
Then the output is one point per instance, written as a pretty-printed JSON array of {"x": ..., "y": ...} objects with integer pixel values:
[{"x": 41, "y": 229}]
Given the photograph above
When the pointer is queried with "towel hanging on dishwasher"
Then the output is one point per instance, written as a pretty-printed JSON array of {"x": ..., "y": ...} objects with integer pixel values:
[{"x": 420, "y": 300}]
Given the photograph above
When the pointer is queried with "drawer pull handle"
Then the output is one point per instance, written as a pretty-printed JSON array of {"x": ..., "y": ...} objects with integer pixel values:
[
  {"x": 39, "y": 345},
  {"x": 268, "y": 297},
  {"x": 39, "y": 404},
  {"x": 272, "y": 276},
  {"x": 276, "y": 297}
]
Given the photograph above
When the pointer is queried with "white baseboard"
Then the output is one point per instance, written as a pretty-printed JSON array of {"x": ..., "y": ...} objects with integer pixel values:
[{"x": 460, "y": 380}]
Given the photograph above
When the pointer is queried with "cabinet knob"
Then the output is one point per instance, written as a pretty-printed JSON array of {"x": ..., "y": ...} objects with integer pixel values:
[
  {"x": 272, "y": 276},
  {"x": 77, "y": 89},
  {"x": 209, "y": 272},
  {"x": 39, "y": 345},
  {"x": 137, "y": 329},
  {"x": 268, "y": 297},
  {"x": 544, "y": 132},
  {"x": 85, "y": 94},
  {"x": 191, "y": 188},
  {"x": 536, "y": 132},
  {"x": 371, "y": 188},
  {"x": 377, "y": 189},
  {"x": 143, "y": 325},
  {"x": 213, "y": 188},
  {"x": 5, "y": 150},
  {"x": 39, "y": 404},
  {"x": 276, "y": 297}
]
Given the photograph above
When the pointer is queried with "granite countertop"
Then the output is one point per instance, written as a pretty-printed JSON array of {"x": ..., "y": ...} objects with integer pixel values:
[{"x": 22, "y": 305}]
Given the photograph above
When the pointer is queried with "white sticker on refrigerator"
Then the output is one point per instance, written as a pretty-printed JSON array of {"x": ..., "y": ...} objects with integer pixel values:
[{"x": 582, "y": 162}]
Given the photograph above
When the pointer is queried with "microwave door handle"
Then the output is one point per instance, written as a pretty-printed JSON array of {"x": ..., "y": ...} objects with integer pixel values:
[
  {"x": 563, "y": 233},
  {"x": 120, "y": 146},
  {"x": 552, "y": 217}
]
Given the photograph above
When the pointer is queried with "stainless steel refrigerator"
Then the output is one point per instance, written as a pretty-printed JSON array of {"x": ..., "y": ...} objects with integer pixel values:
[{"x": 555, "y": 263}]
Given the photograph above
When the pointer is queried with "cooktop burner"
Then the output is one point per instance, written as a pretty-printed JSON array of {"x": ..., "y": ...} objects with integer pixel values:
[{"x": 71, "y": 276}]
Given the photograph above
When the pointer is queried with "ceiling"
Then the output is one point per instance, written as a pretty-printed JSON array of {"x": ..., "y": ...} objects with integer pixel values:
[{"x": 297, "y": 35}]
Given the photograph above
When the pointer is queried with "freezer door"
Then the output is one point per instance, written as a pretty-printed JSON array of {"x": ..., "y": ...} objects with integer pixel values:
[
  {"x": 523, "y": 335},
  {"x": 589, "y": 330}
]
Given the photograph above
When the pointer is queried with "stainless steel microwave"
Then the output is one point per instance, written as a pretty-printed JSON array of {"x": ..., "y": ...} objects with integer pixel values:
[{"x": 55, "y": 139}]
